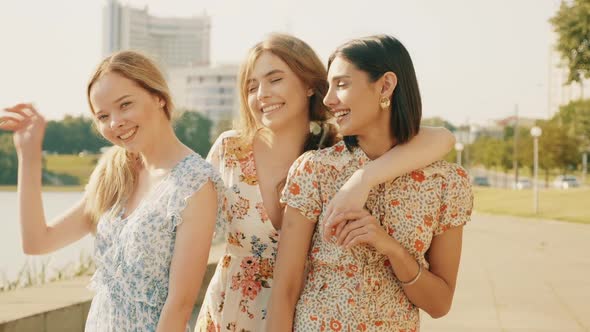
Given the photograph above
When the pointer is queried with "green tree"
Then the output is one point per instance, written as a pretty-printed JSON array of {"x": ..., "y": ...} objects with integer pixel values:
[
  {"x": 572, "y": 25},
  {"x": 72, "y": 135},
  {"x": 488, "y": 151},
  {"x": 221, "y": 126},
  {"x": 557, "y": 147},
  {"x": 438, "y": 122},
  {"x": 193, "y": 129},
  {"x": 575, "y": 117},
  {"x": 8, "y": 160}
]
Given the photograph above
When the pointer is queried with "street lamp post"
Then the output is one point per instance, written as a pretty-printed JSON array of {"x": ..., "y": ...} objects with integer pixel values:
[
  {"x": 536, "y": 132},
  {"x": 584, "y": 166},
  {"x": 459, "y": 147}
]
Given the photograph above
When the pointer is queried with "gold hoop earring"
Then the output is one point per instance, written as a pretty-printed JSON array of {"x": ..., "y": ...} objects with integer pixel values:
[{"x": 384, "y": 102}]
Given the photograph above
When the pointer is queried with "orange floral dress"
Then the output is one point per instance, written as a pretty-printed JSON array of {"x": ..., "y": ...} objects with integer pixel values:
[
  {"x": 355, "y": 289},
  {"x": 239, "y": 291}
]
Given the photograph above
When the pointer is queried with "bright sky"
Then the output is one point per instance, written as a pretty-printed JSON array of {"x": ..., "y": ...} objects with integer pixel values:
[{"x": 475, "y": 59}]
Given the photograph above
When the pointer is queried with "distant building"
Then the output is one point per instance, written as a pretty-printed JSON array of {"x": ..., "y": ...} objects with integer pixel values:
[
  {"x": 174, "y": 42},
  {"x": 208, "y": 90},
  {"x": 511, "y": 120}
]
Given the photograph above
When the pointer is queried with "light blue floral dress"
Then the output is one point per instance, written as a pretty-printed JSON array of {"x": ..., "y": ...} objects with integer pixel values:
[{"x": 133, "y": 254}]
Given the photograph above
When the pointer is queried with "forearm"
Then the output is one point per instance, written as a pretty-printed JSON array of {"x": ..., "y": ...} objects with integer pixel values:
[
  {"x": 430, "y": 145},
  {"x": 281, "y": 309},
  {"x": 289, "y": 274},
  {"x": 31, "y": 215},
  {"x": 429, "y": 292},
  {"x": 174, "y": 317}
]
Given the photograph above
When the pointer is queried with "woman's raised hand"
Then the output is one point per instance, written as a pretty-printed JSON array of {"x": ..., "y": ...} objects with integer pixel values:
[{"x": 27, "y": 125}]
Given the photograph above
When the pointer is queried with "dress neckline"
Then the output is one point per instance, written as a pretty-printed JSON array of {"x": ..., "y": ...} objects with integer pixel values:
[{"x": 152, "y": 191}]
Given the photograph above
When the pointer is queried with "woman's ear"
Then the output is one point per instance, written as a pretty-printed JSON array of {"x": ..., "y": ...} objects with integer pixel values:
[
  {"x": 160, "y": 100},
  {"x": 389, "y": 82}
]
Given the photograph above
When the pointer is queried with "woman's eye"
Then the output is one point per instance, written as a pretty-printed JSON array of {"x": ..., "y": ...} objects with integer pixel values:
[
  {"x": 252, "y": 89},
  {"x": 102, "y": 117},
  {"x": 274, "y": 80},
  {"x": 125, "y": 104}
]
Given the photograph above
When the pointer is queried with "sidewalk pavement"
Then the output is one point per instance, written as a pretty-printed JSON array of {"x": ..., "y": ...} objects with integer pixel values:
[{"x": 520, "y": 274}]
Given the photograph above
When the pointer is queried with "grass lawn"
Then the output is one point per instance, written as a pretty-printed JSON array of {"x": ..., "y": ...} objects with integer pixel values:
[
  {"x": 568, "y": 205},
  {"x": 80, "y": 167},
  {"x": 49, "y": 188}
]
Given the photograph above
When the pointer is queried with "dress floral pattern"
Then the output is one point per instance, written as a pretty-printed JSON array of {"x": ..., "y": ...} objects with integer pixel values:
[
  {"x": 240, "y": 288},
  {"x": 133, "y": 254},
  {"x": 355, "y": 289}
]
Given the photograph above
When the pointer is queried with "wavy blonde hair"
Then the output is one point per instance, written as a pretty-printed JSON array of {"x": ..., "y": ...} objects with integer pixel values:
[
  {"x": 305, "y": 63},
  {"x": 114, "y": 178}
]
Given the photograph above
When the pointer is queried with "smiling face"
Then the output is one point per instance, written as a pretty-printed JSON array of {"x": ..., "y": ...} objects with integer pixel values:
[
  {"x": 354, "y": 99},
  {"x": 275, "y": 95},
  {"x": 126, "y": 114}
]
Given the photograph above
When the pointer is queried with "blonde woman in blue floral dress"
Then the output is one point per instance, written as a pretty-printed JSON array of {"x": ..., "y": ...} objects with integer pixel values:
[{"x": 151, "y": 202}]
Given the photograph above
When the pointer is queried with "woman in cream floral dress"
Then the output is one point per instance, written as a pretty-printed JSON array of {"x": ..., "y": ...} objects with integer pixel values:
[{"x": 282, "y": 84}]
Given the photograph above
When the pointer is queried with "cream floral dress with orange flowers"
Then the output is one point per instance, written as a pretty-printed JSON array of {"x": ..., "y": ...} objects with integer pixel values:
[
  {"x": 239, "y": 291},
  {"x": 355, "y": 289}
]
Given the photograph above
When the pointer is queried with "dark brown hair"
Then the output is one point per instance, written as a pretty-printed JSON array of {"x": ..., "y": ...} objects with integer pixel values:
[{"x": 377, "y": 55}]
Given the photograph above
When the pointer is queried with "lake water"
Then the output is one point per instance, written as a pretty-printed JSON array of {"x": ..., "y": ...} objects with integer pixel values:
[{"x": 12, "y": 258}]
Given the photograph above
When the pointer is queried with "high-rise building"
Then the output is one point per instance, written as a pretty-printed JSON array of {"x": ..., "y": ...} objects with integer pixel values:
[
  {"x": 174, "y": 42},
  {"x": 182, "y": 47},
  {"x": 211, "y": 90}
]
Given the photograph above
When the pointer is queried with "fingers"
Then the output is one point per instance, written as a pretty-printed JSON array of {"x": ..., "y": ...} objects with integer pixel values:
[
  {"x": 19, "y": 116},
  {"x": 360, "y": 239},
  {"x": 34, "y": 111},
  {"x": 11, "y": 121},
  {"x": 11, "y": 125},
  {"x": 367, "y": 234},
  {"x": 330, "y": 208},
  {"x": 8, "y": 115},
  {"x": 347, "y": 243},
  {"x": 351, "y": 227},
  {"x": 336, "y": 222},
  {"x": 345, "y": 216},
  {"x": 20, "y": 109},
  {"x": 329, "y": 231}
]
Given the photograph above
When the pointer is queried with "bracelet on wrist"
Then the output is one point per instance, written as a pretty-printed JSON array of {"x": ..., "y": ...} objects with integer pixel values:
[{"x": 413, "y": 281}]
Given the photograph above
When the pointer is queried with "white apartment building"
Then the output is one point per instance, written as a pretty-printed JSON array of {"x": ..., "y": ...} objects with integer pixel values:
[
  {"x": 174, "y": 42},
  {"x": 211, "y": 90}
]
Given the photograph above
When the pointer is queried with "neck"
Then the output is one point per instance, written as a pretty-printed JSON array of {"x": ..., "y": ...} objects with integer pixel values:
[
  {"x": 165, "y": 153},
  {"x": 377, "y": 139},
  {"x": 285, "y": 145}
]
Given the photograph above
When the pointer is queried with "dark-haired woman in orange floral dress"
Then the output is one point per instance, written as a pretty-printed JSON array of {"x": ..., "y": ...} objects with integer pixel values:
[{"x": 369, "y": 269}]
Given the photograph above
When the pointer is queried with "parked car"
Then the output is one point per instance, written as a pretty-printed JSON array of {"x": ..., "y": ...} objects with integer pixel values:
[
  {"x": 565, "y": 182},
  {"x": 523, "y": 184},
  {"x": 482, "y": 181}
]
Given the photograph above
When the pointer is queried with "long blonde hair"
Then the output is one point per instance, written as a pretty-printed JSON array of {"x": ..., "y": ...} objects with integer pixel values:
[
  {"x": 114, "y": 177},
  {"x": 305, "y": 63}
]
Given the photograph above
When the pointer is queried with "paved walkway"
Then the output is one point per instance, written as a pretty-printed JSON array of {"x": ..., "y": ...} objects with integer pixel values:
[
  {"x": 520, "y": 275},
  {"x": 516, "y": 275}
]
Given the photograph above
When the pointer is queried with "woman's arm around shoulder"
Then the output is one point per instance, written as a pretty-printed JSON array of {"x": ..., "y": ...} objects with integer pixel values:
[{"x": 431, "y": 144}]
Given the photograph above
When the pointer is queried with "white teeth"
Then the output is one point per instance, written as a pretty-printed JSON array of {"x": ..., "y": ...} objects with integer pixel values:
[
  {"x": 128, "y": 134},
  {"x": 341, "y": 113},
  {"x": 271, "y": 108}
]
